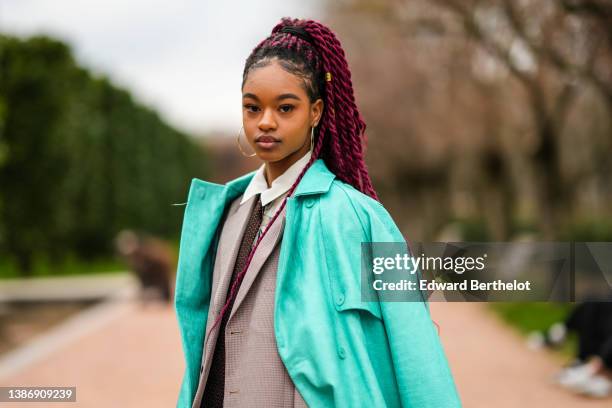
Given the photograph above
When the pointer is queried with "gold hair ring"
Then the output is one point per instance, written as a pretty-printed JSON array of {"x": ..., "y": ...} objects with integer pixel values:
[{"x": 328, "y": 76}]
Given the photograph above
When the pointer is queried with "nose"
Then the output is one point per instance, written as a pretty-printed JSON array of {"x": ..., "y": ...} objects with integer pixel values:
[{"x": 267, "y": 121}]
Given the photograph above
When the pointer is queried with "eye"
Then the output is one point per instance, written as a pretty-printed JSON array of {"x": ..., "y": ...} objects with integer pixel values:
[
  {"x": 286, "y": 108},
  {"x": 251, "y": 108}
]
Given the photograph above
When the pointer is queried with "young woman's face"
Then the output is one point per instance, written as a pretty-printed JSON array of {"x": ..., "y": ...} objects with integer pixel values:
[{"x": 277, "y": 114}]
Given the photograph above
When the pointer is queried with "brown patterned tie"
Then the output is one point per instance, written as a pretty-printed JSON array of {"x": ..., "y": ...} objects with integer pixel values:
[{"x": 215, "y": 384}]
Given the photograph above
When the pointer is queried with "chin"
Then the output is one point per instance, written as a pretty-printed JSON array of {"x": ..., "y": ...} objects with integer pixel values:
[{"x": 270, "y": 156}]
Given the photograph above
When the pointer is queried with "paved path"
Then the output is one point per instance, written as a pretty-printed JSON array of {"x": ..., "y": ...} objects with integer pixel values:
[
  {"x": 123, "y": 355},
  {"x": 129, "y": 356},
  {"x": 493, "y": 367}
]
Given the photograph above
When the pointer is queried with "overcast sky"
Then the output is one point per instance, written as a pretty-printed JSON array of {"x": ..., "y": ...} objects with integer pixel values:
[{"x": 184, "y": 58}]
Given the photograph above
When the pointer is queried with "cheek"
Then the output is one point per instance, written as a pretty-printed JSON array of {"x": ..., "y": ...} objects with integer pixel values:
[
  {"x": 297, "y": 128},
  {"x": 250, "y": 127},
  {"x": 296, "y": 135}
]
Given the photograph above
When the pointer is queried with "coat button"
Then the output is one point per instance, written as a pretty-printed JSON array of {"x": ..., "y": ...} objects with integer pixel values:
[
  {"x": 341, "y": 352},
  {"x": 340, "y": 299},
  {"x": 309, "y": 202},
  {"x": 202, "y": 193}
]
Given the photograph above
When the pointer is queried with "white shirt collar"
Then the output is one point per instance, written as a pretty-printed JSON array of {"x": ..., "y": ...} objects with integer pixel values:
[{"x": 280, "y": 185}]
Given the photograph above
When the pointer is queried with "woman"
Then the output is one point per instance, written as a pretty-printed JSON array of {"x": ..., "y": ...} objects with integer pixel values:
[{"x": 268, "y": 292}]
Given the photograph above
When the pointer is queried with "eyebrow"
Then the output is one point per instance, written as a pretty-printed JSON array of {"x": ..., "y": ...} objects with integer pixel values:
[{"x": 278, "y": 98}]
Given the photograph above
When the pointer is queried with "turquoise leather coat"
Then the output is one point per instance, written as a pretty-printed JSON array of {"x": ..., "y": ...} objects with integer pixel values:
[{"x": 338, "y": 350}]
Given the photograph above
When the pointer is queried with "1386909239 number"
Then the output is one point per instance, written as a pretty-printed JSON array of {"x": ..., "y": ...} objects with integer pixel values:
[{"x": 34, "y": 394}]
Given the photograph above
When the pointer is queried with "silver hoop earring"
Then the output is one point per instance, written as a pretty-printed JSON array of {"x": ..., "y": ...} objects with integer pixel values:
[
  {"x": 312, "y": 139},
  {"x": 240, "y": 147}
]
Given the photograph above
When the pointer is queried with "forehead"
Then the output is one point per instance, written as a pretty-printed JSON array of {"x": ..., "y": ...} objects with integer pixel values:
[{"x": 271, "y": 80}]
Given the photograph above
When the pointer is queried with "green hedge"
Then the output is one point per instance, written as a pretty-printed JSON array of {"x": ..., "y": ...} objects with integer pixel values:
[{"x": 80, "y": 159}]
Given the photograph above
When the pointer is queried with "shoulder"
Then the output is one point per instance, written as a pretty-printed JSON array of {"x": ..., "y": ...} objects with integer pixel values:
[{"x": 345, "y": 204}]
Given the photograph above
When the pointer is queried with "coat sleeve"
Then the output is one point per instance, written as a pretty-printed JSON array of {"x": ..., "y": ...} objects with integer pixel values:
[{"x": 421, "y": 368}]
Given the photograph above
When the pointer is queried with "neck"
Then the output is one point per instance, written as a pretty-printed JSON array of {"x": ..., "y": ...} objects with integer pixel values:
[{"x": 277, "y": 168}]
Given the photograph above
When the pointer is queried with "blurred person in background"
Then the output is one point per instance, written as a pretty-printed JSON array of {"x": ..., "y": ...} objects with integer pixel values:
[
  {"x": 151, "y": 260},
  {"x": 590, "y": 373}
]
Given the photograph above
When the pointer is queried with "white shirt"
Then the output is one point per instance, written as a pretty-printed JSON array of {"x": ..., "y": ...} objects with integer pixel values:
[{"x": 272, "y": 197}]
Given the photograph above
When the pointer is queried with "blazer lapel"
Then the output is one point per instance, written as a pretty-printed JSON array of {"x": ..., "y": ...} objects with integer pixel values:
[
  {"x": 228, "y": 249},
  {"x": 234, "y": 226},
  {"x": 265, "y": 248}
]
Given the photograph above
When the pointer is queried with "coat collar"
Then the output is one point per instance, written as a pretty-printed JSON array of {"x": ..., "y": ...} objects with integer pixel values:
[{"x": 317, "y": 179}]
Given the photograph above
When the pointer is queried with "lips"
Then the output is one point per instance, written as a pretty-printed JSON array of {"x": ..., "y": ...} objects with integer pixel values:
[
  {"x": 266, "y": 139},
  {"x": 267, "y": 142}
]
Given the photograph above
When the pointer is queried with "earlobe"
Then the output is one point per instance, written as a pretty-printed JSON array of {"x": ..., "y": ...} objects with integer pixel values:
[{"x": 318, "y": 112}]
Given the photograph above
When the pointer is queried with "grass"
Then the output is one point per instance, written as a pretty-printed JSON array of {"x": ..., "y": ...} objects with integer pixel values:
[
  {"x": 69, "y": 266},
  {"x": 530, "y": 316}
]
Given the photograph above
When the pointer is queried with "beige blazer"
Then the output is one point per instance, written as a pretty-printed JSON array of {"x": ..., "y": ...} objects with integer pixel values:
[{"x": 255, "y": 376}]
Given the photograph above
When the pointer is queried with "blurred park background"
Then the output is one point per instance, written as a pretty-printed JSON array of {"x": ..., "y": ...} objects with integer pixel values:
[{"x": 487, "y": 120}]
